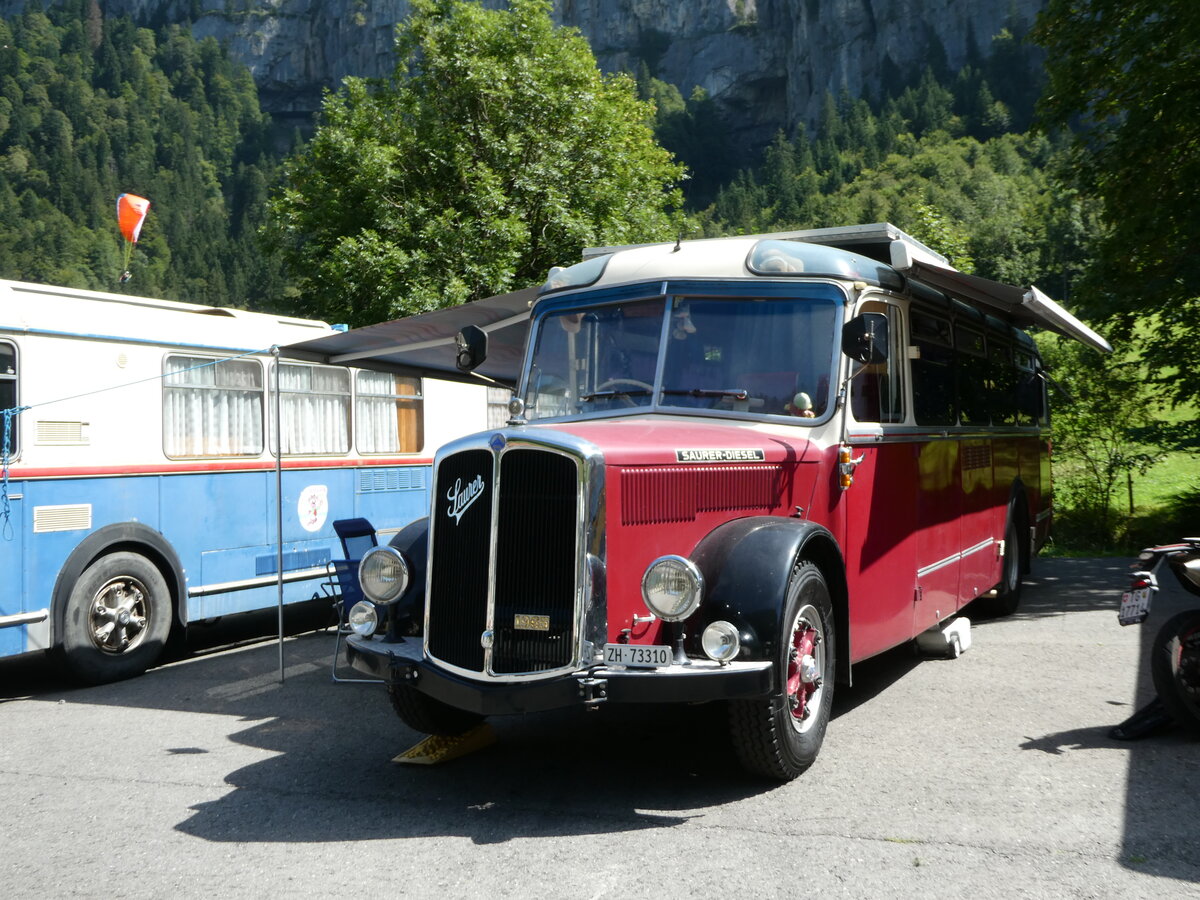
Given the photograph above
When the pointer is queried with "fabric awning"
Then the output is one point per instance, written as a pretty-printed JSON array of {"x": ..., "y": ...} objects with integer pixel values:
[
  {"x": 1023, "y": 306},
  {"x": 424, "y": 344}
]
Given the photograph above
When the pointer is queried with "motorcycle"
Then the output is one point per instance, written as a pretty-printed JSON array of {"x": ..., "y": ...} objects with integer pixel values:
[{"x": 1175, "y": 651}]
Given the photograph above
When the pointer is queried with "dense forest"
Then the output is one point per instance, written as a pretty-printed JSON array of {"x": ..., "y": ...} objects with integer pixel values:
[{"x": 92, "y": 107}]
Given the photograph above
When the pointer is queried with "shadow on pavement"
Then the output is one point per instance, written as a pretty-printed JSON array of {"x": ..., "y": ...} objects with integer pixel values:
[
  {"x": 37, "y": 674},
  {"x": 327, "y": 773},
  {"x": 1162, "y": 788}
]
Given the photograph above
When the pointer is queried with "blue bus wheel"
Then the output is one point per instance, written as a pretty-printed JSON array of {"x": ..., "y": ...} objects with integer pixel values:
[{"x": 117, "y": 618}]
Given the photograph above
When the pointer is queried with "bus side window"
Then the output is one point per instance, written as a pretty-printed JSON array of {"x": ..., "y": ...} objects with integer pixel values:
[
  {"x": 8, "y": 391},
  {"x": 933, "y": 370},
  {"x": 1002, "y": 384},
  {"x": 315, "y": 406},
  {"x": 389, "y": 413},
  {"x": 212, "y": 407},
  {"x": 973, "y": 376},
  {"x": 1028, "y": 389},
  {"x": 497, "y": 406},
  {"x": 877, "y": 393}
]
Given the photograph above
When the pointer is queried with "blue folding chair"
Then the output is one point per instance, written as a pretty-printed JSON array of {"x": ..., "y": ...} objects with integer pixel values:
[{"x": 357, "y": 537}]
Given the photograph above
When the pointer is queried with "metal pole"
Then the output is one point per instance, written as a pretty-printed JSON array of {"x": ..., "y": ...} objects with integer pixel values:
[{"x": 278, "y": 508}]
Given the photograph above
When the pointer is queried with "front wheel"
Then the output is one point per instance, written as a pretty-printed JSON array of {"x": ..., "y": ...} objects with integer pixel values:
[
  {"x": 117, "y": 619},
  {"x": 427, "y": 715},
  {"x": 780, "y": 737},
  {"x": 1175, "y": 668}
]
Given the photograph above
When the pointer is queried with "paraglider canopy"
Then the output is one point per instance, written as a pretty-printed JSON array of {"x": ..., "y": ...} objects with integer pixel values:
[{"x": 131, "y": 213}]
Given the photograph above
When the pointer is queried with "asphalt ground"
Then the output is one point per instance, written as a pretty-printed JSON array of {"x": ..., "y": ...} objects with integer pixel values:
[{"x": 992, "y": 775}]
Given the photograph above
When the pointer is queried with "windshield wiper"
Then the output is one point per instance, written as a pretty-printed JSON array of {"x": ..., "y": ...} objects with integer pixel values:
[
  {"x": 736, "y": 394},
  {"x": 608, "y": 395}
]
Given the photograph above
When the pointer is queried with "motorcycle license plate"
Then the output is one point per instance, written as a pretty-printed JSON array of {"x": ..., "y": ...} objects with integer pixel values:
[
  {"x": 1135, "y": 606},
  {"x": 637, "y": 656}
]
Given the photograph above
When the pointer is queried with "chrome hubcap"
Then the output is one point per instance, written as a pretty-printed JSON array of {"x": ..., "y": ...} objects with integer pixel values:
[
  {"x": 118, "y": 615},
  {"x": 806, "y": 663}
]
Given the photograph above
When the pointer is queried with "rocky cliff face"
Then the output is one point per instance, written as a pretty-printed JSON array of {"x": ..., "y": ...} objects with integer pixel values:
[{"x": 768, "y": 63}]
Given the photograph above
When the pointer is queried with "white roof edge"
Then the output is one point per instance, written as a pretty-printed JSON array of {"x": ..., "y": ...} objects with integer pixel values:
[
  {"x": 844, "y": 236},
  {"x": 27, "y": 287}
]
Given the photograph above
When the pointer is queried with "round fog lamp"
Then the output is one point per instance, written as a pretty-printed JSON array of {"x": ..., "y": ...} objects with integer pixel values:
[
  {"x": 721, "y": 642},
  {"x": 671, "y": 588},
  {"x": 363, "y": 619},
  {"x": 383, "y": 574}
]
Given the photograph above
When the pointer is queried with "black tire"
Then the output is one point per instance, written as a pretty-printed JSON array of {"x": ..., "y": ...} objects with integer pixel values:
[
  {"x": 117, "y": 619},
  {"x": 1175, "y": 668},
  {"x": 1008, "y": 592},
  {"x": 427, "y": 715},
  {"x": 779, "y": 737}
]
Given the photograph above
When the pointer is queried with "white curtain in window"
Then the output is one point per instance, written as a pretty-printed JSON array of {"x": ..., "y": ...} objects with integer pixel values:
[
  {"x": 216, "y": 410},
  {"x": 497, "y": 407},
  {"x": 389, "y": 413},
  {"x": 316, "y": 410}
]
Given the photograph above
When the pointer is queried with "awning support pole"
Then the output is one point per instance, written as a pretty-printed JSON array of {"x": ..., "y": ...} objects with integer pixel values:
[{"x": 278, "y": 507}]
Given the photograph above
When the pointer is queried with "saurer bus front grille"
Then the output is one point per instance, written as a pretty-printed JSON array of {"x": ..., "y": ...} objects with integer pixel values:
[{"x": 533, "y": 566}]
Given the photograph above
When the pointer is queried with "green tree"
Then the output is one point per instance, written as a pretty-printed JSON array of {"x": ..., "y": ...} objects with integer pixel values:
[
  {"x": 495, "y": 150},
  {"x": 1127, "y": 73},
  {"x": 1102, "y": 439}
]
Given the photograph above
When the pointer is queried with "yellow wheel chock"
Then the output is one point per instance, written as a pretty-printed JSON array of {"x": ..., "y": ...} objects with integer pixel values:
[{"x": 440, "y": 748}]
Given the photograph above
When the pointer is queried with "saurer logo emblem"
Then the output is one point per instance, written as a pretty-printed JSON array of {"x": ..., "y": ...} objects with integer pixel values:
[{"x": 462, "y": 496}]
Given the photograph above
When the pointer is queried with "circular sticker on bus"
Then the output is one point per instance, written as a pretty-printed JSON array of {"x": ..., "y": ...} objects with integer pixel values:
[{"x": 313, "y": 507}]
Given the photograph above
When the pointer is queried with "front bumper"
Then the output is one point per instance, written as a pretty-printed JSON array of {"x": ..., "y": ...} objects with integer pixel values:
[{"x": 702, "y": 681}]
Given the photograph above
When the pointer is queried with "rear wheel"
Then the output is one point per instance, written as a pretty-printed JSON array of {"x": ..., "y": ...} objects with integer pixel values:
[
  {"x": 117, "y": 618},
  {"x": 1007, "y": 598},
  {"x": 427, "y": 715},
  {"x": 780, "y": 737},
  {"x": 1175, "y": 667}
]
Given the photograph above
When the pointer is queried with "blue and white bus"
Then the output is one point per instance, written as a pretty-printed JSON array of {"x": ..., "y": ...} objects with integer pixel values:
[{"x": 139, "y": 486}]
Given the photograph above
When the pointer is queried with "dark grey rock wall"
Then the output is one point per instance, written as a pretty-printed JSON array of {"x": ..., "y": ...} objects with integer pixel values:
[{"x": 768, "y": 63}]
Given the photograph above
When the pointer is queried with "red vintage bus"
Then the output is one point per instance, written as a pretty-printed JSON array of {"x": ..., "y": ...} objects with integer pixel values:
[{"x": 733, "y": 469}]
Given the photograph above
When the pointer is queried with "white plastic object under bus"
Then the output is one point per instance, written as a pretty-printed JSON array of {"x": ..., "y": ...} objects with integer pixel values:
[{"x": 950, "y": 641}]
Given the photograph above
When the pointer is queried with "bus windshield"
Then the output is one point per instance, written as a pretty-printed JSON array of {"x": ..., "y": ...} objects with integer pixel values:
[{"x": 762, "y": 356}]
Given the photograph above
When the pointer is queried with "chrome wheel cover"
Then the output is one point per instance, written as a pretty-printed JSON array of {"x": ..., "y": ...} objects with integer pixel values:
[
  {"x": 805, "y": 668},
  {"x": 118, "y": 615}
]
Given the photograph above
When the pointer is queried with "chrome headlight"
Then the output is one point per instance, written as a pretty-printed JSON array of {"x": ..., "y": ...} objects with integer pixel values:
[
  {"x": 363, "y": 619},
  {"x": 721, "y": 642},
  {"x": 671, "y": 588},
  {"x": 383, "y": 574}
]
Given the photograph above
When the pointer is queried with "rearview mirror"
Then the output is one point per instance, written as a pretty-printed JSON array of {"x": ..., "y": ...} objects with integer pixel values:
[
  {"x": 470, "y": 347},
  {"x": 865, "y": 338}
]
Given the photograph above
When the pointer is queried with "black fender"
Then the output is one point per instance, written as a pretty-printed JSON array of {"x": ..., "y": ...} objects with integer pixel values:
[
  {"x": 134, "y": 537},
  {"x": 413, "y": 542},
  {"x": 746, "y": 565}
]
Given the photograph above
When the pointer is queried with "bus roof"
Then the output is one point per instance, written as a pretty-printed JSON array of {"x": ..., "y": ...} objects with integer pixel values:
[
  {"x": 40, "y": 308},
  {"x": 894, "y": 253},
  {"x": 425, "y": 344}
]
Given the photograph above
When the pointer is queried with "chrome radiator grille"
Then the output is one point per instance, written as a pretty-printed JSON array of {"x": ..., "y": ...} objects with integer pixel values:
[{"x": 530, "y": 562}]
